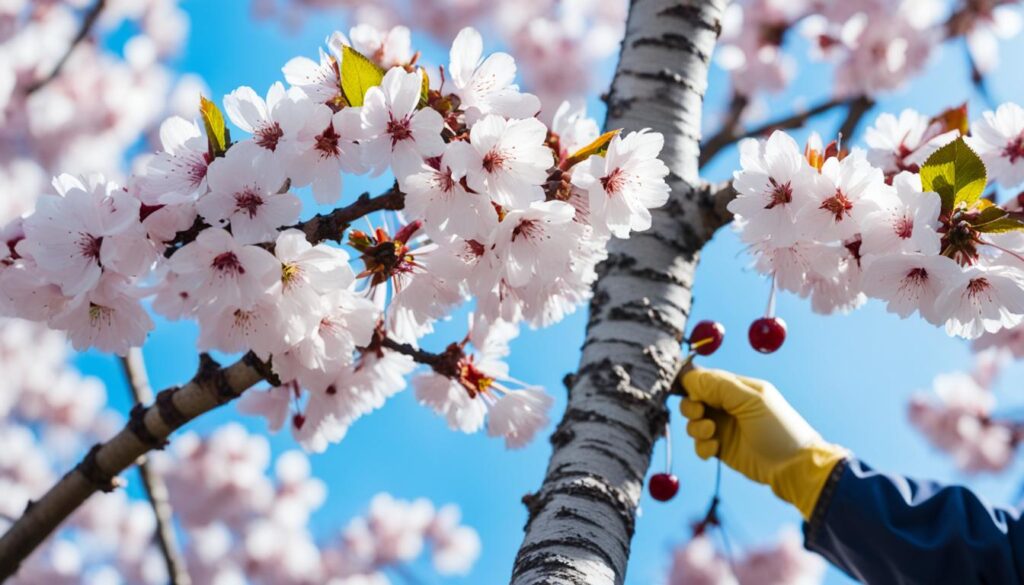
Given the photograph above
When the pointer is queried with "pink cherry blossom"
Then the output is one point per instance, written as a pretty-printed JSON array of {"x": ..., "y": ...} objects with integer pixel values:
[
  {"x": 229, "y": 274},
  {"x": 178, "y": 173},
  {"x": 904, "y": 142},
  {"x": 90, "y": 226},
  {"x": 247, "y": 195}
]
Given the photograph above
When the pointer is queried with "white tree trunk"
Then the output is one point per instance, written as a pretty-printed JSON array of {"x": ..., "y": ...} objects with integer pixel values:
[{"x": 581, "y": 520}]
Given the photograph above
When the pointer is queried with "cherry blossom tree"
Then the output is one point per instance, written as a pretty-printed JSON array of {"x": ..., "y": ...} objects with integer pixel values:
[{"x": 505, "y": 196}]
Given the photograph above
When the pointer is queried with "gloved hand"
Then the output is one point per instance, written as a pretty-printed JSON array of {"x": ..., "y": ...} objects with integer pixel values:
[{"x": 751, "y": 427}]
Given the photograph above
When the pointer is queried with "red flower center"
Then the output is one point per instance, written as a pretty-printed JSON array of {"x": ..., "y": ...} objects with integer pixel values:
[
  {"x": 838, "y": 205},
  {"x": 228, "y": 263}
]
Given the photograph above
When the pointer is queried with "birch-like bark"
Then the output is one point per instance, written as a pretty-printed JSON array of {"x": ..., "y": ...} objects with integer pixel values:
[{"x": 581, "y": 520}]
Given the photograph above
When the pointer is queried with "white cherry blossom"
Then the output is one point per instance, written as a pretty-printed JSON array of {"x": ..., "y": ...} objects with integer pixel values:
[
  {"x": 394, "y": 132},
  {"x": 907, "y": 221},
  {"x": 625, "y": 183},
  {"x": 774, "y": 184},
  {"x": 982, "y": 300},
  {"x": 998, "y": 138},
  {"x": 506, "y": 159},
  {"x": 487, "y": 85}
]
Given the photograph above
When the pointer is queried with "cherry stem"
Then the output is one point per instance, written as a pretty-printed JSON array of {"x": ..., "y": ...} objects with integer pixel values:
[
  {"x": 770, "y": 311},
  {"x": 697, "y": 344},
  {"x": 668, "y": 448},
  {"x": 1004, "y": 250}
]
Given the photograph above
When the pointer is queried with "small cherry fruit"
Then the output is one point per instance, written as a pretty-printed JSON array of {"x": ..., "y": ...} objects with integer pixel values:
[
  {"x": 707, "y": 337},
  {"x": 767, "y": 334},
  {"x": 663, "y": 486}
]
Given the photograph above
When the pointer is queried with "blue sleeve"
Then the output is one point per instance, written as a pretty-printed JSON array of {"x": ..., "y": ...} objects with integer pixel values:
[{"x": 889, "y": 529}]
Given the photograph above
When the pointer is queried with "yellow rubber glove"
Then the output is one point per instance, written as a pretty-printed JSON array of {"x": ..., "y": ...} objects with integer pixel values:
[{"x": 751, "y": 427}]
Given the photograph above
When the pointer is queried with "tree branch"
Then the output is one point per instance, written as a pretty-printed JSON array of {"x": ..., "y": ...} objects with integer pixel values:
[
  {"x": 714, "y": 199},
  {"x": 156, "y": 490},
  {"x": 320, "y": 227},
  {"x": 88, "y": 21},
  {"x": 332, "y": 225},
  {"x": 731, "y": 127},
  {"x": 714, "y": 145},
  {"x": 855, "y": 112},
  {"x": 147, "y": 429}
]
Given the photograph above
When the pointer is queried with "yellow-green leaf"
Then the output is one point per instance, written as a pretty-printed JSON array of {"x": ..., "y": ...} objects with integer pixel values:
[
  {"x": 424, "y": 88},
  {"x": 599, "y": 146},
  {"x": 218, "y": 137},
  {"x": 956, "y": 173},
  {"x": 358, "y": 74}
]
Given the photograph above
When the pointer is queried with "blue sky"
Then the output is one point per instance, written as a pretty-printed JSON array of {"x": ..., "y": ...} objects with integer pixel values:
[{"x": 849, "y": 375}]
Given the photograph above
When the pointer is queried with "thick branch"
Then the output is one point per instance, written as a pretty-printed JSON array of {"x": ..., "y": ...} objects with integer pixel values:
[
  {"x": 156, "y": 490},
  {"x": 320, "y": 227},
  {"x": 332, "y": 225},
  {"x": 88, "y": 21},
  {"x": 714, "y": 200},
  {"x": 581, "y": 520},
  {"x": 727, "y": 136},
  {"x": 147, "y": 429}
]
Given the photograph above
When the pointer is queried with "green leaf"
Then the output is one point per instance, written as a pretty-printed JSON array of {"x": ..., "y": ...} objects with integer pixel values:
[
  {"x": 218, "y": 136},
  {"x": 599, "y": 146},
  {"x": 995, "y": 220},
  {"x": 956, "y": 173},
  {"x": 358, "y": 74}
]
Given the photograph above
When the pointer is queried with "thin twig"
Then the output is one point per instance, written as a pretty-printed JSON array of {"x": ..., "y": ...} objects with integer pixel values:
[
  {"x": 156, "y": 490},
  {"x": 731, "y": 126},
  {"x": 717, "y": 143},
  {"x": 88, "y": 21}
]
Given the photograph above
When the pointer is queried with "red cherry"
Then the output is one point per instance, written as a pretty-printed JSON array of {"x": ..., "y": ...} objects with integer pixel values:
[
  {"x": 767, "y": 334},
  {"x": 663, "y": 486},
  {"x": 707, "y": 337}
]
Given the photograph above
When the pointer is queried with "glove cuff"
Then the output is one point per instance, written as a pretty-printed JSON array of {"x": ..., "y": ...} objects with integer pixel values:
[{"x": 801, "y": 481}]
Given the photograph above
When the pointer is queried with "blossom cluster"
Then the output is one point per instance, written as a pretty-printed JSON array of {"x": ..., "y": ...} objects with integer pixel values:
[
  {"x": 957, "y": 418},
  {"x": 245, "y": 526},
  {"x": 783, "y": 563},
  {"x": 874, "y": 45},
  {"x": 839, "y": 227},
  {"x": 497, "y": 207},
  {"x": 560, "y": 45}
]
